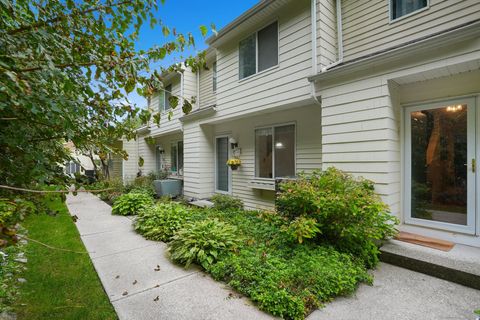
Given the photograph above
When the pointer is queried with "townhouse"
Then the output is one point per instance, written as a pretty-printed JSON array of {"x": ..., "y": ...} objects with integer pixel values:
[{"x": 385, "y": 89}]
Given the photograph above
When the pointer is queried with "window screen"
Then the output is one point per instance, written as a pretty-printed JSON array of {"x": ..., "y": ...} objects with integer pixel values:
[
  {"x": 222, "y": 167},
  {"x": 247, "y": 56},
  {"x": 404, "y": 7},
  {"x": 173, "y": 158},
  {"x": 268, "y": 47},
  {"x": 285, "y": 151},
  {"x": 180, "y": 155},
  {"x": 263, "y": 153},
  {"x": 161, "y": 101}
]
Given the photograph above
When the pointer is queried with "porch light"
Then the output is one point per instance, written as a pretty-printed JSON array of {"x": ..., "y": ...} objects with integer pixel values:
[
  {"x": 279, "y": 145},
  {"x": 233, "y": 143}
]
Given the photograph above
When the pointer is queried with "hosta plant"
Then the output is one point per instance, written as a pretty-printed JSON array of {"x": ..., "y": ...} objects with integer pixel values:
[
  {"x": 131, "y": 203},
  {"x": 161, "y": 221},
  {"x": 202, "y": 242}
]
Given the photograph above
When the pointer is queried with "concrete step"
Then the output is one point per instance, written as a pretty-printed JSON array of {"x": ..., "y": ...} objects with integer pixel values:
[{"x": 460, "y": 265}]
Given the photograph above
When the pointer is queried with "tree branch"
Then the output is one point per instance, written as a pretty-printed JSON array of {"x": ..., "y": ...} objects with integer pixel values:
[{"x": 75, "y": 12}]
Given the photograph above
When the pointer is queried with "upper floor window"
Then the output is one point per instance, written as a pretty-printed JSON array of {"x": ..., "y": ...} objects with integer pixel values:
[
  {"x": 163, "y": 98},
  {"x": 400, "y": 8},
  {"x": 259, "y": 51},
  {"x": 214, "y": 81}
]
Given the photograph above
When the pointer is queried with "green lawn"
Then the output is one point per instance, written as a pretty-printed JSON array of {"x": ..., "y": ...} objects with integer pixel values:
[{"x": 60, "y": 285}]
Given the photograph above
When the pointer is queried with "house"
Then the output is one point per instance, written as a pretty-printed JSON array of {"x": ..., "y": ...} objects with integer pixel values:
[{"x": 384, "y": 89}]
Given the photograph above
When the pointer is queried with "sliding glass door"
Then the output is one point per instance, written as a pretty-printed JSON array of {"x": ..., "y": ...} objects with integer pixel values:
[{"x": 440, "y": 165}]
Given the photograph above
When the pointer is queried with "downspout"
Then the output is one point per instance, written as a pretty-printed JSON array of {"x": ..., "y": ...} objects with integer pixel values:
[
  {"x": 339, "y": 38},
  {"x": 314, "y": 50}
]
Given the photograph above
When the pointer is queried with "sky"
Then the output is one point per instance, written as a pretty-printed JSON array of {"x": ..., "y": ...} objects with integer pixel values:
[{"x": 187, "y": 16}]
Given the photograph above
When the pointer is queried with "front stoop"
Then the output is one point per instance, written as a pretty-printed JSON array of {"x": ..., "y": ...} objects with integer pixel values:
[{"x": 460, "y": 265}]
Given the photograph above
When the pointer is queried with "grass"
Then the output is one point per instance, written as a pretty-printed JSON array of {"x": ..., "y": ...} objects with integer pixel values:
[{"x": 60, "y": 285}]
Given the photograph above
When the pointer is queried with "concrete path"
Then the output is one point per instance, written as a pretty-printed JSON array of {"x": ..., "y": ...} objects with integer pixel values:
[
  {"x": 140, "y": 280},
  {"x": 143, "y": 284}
]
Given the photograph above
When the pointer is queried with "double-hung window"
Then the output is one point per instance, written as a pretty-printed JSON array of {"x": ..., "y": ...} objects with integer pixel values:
[
  {"x": 176, "y": 157},
  {"x": 400, "y": 8},
  {"x": 275, "y": 152},
  {"x": 163, "y": 98},
  {"x": 259, "y": 51}
]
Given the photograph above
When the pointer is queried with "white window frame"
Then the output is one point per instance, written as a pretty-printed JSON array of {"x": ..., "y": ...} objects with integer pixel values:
[
  {"x": 390, "y": 12},
  {"x": 273, "y": 148},
  {"x": 256, "y": 51},
  {"x": 229, "y": 192},
  {"x": 472, "y": 208},
  {"x": 165, "y": 101}
]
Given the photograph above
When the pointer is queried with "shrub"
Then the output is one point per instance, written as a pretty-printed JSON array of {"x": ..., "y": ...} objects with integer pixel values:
[
  {"x": 302, "y": 228},
  {"x": 143, "y": 184},
  {"x": 202, "y": 242},
  {"x": 161, "y": 221},
  {"x": 116, "y": 186},
  {"x": 131, "y": 203},
  {"x": 348, "y": 213},
  {"x": 290, "y": 282},
  {"x": 226, "y": 202}
]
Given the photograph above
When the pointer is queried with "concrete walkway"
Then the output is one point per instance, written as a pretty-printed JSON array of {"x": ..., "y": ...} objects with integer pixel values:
[
  {"x": 140, "y": 280},
  {"x": 143, "y": 284}
]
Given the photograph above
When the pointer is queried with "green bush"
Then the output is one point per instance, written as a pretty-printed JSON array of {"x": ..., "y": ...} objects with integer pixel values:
[
  {"x": 161, "y": 221},
  {"x": 143, "y": 184},
  {"x": 116, "y": 186},
  {"x": 290, "y": 282},
  {"x": 347, "y": 211},
  {"x": 226, "y": 202},
  {"x": 202, "y": 242},
  {"x": 131, "y": 203}
]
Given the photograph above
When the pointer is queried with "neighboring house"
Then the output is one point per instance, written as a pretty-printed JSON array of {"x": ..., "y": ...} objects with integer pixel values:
[
  {"x": 79, "y": 163},
  {"x": 385, "y": 89}
]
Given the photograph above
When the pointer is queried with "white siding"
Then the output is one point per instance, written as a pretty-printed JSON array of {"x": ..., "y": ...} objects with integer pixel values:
[
  {"x": 280, "y": 85},
  {"x": 130, "y": 166},
  {"x": 326, "y": 32},
  {"x": 366, "y": 27},
  {"x": 207, "y": 96}
]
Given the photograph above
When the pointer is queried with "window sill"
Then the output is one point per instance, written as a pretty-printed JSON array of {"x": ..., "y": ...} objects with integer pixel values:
[
  {"x": 262, "y": 184},
  {"x": 259, "y": 73}
]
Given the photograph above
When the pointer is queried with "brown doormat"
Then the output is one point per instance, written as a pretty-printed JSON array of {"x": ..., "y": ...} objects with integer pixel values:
[{"x": 425, "y": 241}]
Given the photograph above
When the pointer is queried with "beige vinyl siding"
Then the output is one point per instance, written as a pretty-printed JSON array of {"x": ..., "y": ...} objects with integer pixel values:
[
  {"x": 130, "y": 166},
  {"x": 280, "y": 85},
  {"x": 147, "y": 152},
  {"x": 190, "y": 84},
  {"x": 361, "y": 134},
  {"x": 198, "y": 165},
  {"x": 207, "y": 96},
  {"x": 367, "y": 27},
  {"x": 326, "y": 32},
  {"x": 308, "y": 149}
]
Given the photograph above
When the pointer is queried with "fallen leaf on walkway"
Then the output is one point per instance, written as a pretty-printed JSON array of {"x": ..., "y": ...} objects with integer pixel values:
[
  {"x": 125, "y": 293},
  {"x": 157, "y": 286},
  {"x": 134, "y": 282},
  {"x": 74, "y": 218},
  {"x": 156, "y": 299},
  {"x": 157, "y": 268},
  {"x": 117, "y": 277}
]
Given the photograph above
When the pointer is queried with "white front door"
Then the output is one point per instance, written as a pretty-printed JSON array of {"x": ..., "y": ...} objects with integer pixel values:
[{"x": 440, "y": 165}]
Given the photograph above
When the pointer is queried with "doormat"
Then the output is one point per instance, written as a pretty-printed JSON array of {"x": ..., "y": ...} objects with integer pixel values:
[{"x": 425, "y": 241}]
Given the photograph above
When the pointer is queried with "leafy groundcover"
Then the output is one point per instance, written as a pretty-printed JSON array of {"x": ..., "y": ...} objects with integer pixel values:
[{"x": 252, "y": 253}]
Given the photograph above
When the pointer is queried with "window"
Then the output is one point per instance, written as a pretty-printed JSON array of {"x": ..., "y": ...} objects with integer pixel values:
[
  {"x": 223, "y": 174},
  {"x": 275, "y": 152},
  {"x": 163, "y": 98},
  {"x": 176, "y": 157},
  {"x": 214, "y": 70},
  {"x": 259, "y": 51},
  {"x": 158, "y": 158},
  {"x": 72, "y": 167},
  {"x": 400, "y": 8}
]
